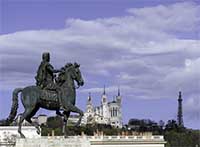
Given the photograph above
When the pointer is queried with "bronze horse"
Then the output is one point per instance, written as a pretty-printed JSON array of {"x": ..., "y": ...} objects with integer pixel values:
[{"x": 33, "y": 98}]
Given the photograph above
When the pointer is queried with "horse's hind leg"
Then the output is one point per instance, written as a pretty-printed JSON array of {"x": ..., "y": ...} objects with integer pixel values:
[
  {"x": 26, "y": 113},
  {"x": 28, "y": 119},
  {"x": 34, "y": 124}
]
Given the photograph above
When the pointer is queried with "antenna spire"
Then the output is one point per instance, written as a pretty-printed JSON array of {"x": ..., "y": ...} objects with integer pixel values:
[
  {"x": 118, "y": 91},
  {"x": 104, "y": 90},
  {"x": 89, "y": 97}
]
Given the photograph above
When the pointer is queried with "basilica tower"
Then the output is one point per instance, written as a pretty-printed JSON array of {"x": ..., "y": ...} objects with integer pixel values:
[
  {"x": 104, "y": 106},
  {"x": 119, "y": 102},
  {"x": 89, "y": 106},
  {"x": 118, "y": 97}
]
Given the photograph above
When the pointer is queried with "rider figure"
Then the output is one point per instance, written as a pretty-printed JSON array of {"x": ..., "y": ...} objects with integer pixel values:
[{"x": 45, "y": 77}]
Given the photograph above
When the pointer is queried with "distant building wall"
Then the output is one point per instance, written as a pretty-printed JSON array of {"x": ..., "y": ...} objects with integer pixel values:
[{"x": 41, "y": 119}]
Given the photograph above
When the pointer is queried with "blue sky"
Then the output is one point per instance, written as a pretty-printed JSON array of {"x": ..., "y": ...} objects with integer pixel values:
[{"x": 148, "y": 47}]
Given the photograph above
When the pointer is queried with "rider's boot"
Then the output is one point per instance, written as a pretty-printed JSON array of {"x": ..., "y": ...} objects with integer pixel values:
[
  {"x": 59, "y": 113},
  {"x": 61, "y": 101}
]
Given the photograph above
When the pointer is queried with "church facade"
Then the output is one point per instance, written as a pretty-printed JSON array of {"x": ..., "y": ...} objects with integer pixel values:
[{"x": 109, "y": 113}]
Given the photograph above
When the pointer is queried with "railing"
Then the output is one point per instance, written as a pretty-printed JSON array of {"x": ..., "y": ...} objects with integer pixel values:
[
  {"x": 8, "y": 128},
  {"x": 131, "y": 138},
  {"x": 113, "y": 138},
  {"x": 97, "y": 138},
  {"x": 6, "y": 144}
]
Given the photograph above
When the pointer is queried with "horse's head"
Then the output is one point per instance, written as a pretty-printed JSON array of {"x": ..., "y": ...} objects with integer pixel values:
[{"x": 75, "y": 73}]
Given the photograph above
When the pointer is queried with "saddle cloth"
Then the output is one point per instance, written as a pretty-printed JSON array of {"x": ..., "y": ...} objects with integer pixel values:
[{"x": 49, "y": 95}]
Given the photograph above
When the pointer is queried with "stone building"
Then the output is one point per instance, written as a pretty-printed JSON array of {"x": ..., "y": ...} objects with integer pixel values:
[
  {"x": 41, "y": 120},
  {"x": 109, "y": 113}
]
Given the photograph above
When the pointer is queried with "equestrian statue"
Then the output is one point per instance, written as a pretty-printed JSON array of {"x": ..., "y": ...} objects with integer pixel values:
[{"x": 50, "y": 92}]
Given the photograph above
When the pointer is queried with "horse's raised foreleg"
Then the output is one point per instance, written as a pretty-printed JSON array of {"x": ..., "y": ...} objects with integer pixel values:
[{"x": 75, "y": 109}]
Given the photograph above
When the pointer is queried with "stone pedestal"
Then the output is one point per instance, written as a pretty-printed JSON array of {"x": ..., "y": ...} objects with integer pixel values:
[
  {"x": 53, "y": 142},
  {"x": 8, "y": 134}
]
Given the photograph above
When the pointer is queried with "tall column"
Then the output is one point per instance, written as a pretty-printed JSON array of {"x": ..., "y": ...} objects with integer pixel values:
[{"x": 180, "y": 111}]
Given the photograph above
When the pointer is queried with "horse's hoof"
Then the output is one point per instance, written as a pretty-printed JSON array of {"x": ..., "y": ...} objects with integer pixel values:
[
  {"x": 22, "y": 136},
  {"x": 59, "y": 114},
  {"x": 78, "y": 124},
  {"x": 38, "y": 131}
]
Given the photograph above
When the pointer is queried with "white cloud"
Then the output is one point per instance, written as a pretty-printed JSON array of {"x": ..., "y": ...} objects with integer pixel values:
[
  {"x": 174, "y": 18},
  {"x": 192, "y": 108},
  {"x": 110, "y": 89}
]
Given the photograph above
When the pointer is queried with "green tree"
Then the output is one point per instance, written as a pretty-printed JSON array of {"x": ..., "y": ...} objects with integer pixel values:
[{"x": 54, "y": 122}]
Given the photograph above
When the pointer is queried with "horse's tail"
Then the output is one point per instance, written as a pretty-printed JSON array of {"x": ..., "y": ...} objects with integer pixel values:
[{"x": 14, "y": 108}]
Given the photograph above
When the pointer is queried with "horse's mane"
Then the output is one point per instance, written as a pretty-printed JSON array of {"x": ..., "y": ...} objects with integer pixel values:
[{"x": 68, "y": 65}]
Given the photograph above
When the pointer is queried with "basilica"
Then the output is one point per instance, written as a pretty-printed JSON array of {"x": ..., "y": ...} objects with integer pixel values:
[{"x": 109, "y": 113}]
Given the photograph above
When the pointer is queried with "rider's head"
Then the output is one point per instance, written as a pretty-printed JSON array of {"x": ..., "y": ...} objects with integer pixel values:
[{"x": 46, "y": 56}]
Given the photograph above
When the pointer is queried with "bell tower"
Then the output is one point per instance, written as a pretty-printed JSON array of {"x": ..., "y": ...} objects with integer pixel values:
[
  {"x": 118, "y": 97},
  {"x": 89, "y": 108},
  {"x": 104, "y": 104},
  {"x": 104, "y": 97}
]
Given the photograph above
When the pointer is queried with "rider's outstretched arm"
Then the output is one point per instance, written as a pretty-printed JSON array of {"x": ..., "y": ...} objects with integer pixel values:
[{"x": 50, "y": 68}]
